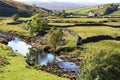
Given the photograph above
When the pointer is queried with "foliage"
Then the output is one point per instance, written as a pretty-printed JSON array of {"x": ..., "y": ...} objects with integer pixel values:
[
  {"x": 101, "y": 65},
  {"x": 110, "y": 8},
  {"x": 62, "y": 13},
  {"x": 55, "y": 37},
  {"x": 37, "y": 26},
  {"x": 15, "y": 17},
  {"x": 115, "y": 13}
]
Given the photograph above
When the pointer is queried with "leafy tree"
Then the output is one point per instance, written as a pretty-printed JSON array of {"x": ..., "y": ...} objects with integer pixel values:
[
  {"x": 60, "y": 13},
  {"x": 63, "y": 14},
  {"x": 37, "y": 25},
  {"x": 104, "y": 65},
  {"x": 54, "y": 39},
  {"x": 15, "y": 17}
]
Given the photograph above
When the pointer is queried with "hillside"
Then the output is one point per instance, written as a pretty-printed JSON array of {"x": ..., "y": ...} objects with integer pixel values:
[
  {"x": 83, "y": 10},
  {"x": 58, "y": 5},
  {"x": 10, "y": 7},
  {"x": 97, "y": 8},
  {"x": 14, "y": 67}
]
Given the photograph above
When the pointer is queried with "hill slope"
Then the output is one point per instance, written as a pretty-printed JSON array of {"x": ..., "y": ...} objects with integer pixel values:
[
  {"x": 58, "y": 5},
  {"x": 10, "y": 7},
  {"x": 83, "y": 10},
  {"x": 13, "y": 67},
  {"x": 98, "y": 9}
]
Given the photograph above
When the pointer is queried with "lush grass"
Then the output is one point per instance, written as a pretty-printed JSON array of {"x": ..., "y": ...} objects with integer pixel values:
[
  {"x": 89, "y": 48},
  {"x": 18, "y": 29},
  {"x": 17, "y": 69},
  {"x": 88, "y": 31},
  {"x": 61, "y": 24},
  {"x": 113, "y": 23},
  {"x": 71, "y": 40},
  {"x": 83, "y": 11},
  {"x": 84, "y": 19},
  {"x": 102, "y": 45}
]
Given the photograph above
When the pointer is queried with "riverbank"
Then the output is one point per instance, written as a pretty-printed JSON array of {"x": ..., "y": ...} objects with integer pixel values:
[
  {"x": 33, "y": 41},
  {"x": 53, "y": 68},
  {"x": 16, "y": 68}
]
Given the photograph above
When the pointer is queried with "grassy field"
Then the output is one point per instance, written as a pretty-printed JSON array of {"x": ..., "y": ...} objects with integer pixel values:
[
  {"x": 17, "y": 70},
  {"x": 105, "y": 45},
  {"x": 83, "y": 11},
  {"x": 113, "y": 23},
  {"x": 18, "y": 29},
  {"x": 88, "y": 31},
  {"x": 61, "y": 24},
  {"x": 84, "y": 19}
]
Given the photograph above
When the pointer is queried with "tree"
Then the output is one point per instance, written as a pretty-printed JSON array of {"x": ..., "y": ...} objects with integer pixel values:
[
  {"x": 63, "y": 14},
  {"x": 37, "y": 25},
  {"x": 15, "y": 17},
  {"x": 60, "y": 13},
  {"x": 102, "y": 65},
  {"x": 110, "y": 8},
  {"x": 54, "y": 39}
]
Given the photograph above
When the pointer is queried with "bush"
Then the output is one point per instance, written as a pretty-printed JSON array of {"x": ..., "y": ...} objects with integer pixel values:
[
  {"x": 102, "y": 65},
  {"x": 15, "y": 17}
]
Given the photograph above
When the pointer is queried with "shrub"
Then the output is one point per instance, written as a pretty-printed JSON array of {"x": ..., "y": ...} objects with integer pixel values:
[
  {"x": 102, "y": 65},
  {"x": 15, "y": 17}
]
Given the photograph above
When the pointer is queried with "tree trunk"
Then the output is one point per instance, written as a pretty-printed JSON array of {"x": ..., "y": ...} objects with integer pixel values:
[{"x": 54, "y": 55}]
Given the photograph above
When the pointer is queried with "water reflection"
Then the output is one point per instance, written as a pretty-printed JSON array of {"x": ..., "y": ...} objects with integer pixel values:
[
  {"x": 24, "y": 48},
  {"x": 19, "y": 46},
  {"x": 48, "y": 58},
  {"x": 42, "y": 58}
]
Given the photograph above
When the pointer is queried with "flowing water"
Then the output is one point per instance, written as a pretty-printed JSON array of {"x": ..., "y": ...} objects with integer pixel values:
[
  {"x": 19, "y": 46},
  {"x": 23, "y": 48},
  {"x": 43, "y": 58}
]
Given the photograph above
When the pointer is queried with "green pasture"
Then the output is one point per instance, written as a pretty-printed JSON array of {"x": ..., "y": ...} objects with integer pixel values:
[
  {"x": 83, "y": 19},
  {"x": 84, "y": 10},
  {"x": 88, "y": 31}
]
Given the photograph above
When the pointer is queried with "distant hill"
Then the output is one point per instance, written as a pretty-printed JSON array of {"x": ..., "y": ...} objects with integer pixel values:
[
  {"x": 10, "y": 7},
  {"x": 83, "y": 10},
  {"x": 59, "y": 5},
  {"x": 97, "y": 8}
]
